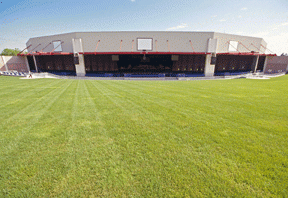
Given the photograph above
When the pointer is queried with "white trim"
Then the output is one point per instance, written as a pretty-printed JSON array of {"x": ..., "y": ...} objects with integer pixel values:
[
  {"x": 35, "y": 63},
  {"x": 3, "y": 58},
  {"x": 27, "y": 63},
  {"x": 233, "y": 46},
  {"x": 56, "y": 45},
  {"x": 144, "y": 44}
]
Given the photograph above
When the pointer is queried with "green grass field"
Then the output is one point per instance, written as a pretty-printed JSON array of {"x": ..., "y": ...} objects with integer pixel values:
[{"x": 81, "y": 138}]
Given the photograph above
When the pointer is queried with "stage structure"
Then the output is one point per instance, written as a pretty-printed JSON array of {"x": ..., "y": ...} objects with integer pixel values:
[{"x": 147, "y": 54}]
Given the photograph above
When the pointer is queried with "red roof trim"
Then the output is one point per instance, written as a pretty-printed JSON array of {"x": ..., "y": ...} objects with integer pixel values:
[
  {"x": 112, "y": 53},
  {"x": 46, "y": 53},
  {"x": 119, "y": 53},
  {"x": 246, "y": 53},
  {"x": 130, "y": 53}
]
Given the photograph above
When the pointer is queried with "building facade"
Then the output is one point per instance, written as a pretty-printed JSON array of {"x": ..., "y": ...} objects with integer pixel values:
[{"x": 147, "y": 54}]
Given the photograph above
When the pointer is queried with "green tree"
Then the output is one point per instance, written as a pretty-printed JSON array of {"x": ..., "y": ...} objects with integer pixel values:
[{"x": 10, "y": 52}]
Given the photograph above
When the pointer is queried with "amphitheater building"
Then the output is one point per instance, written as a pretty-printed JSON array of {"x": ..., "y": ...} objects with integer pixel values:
[{"x": 146, "y": 54}]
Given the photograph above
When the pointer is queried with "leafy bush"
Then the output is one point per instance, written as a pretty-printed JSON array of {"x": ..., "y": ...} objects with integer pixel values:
[{"x": 10, "y": 52}]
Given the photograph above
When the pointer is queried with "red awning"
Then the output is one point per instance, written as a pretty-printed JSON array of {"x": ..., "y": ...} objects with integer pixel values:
[
  {"x": 145, "y": 52},
  {"x": 245, "y": 53},
  {"x": 46, "y": 53}
]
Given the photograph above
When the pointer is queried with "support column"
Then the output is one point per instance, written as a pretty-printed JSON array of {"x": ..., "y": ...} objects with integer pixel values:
[
  {"x": 255, "y": 64},
  {"x": 27, "y": 63},
  {"x": 4, "y": 61},
  {"x": 78, "y": 58},
  {"x": 265, "y": 63},
  {"x": 35, "y": 63},
  {"x": 209, "y": 68},
  {"x": 80, "y": 68}
]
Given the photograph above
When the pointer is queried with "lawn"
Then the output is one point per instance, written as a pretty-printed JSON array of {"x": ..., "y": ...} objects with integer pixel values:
[{"x": 81, "y": 138}]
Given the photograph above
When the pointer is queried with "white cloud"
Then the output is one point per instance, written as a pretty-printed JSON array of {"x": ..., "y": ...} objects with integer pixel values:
[
  {"x": 222, "y": 20},
  {"x": 279, "y": 26},
  {"x": 239, "y": 16},
  {"x": 277, "y": 42},
  {"x": 260, "y": 34},
  {"x": 132, "y": 0},
  {"x": 181, "y": 26},
  {"x": 214, "y": 16},
  {"x": 244, "y": 8}
]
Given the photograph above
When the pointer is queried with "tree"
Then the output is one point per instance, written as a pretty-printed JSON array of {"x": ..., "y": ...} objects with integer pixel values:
[{"x": 10, "y": 52}]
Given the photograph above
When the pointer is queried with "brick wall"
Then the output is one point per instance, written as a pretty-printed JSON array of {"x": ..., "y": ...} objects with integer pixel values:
[
  {"x": 14, "y": 63},
  {"x": 276, "y": 64}
]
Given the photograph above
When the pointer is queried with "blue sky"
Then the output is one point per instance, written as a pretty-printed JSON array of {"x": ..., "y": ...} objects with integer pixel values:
[{"x": 21, "y": 20}]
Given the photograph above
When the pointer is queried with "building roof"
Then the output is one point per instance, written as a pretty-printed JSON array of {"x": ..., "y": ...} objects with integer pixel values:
[{"x": 168, "y": 42}]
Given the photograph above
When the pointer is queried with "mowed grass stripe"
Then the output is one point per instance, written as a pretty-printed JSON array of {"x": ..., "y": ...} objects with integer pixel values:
[
  {"x": 107, "y": 155},
  {"x": 189, "y": 109},
  {"x": 159, "y": 129},
  {"x": 87, "y": 133},
  {"x": 54, "y": 144},
  {"x": 6, "y": 90},
  {"x": 4, "y": 83},
  {"x": 167, "y": 136},
  {"x": 10, "y": 111},
  {"x": 230, "y": 128},
  {"x": 15, "y": 102},
  {"x": 151, "y": 139},
  {"x": 29, "y": 161},
  {"x": 26, "y": 119},
  {"x": 76, "y": 145},
  {"x": 23, "y": 123},
  {"x": 11, "y": 93},
  {"x": 237, "y": 131},
  {"x": 242, "y": 111},
  {"x": 231, "y": 100},
  {"x": 123, "y": 168}
]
